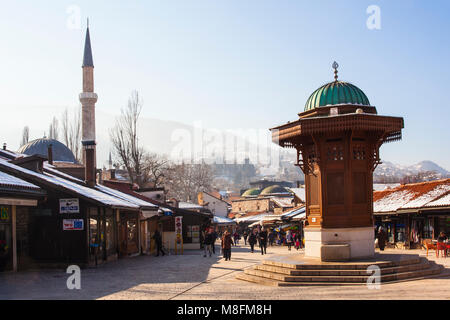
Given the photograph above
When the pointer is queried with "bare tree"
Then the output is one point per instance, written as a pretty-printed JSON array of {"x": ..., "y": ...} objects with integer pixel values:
[
  {"x": 185, "y": 181},
  {"x": 155, "y": 169},
  {"x": 53, "y": 129},
  {"x": 71, "y": 130},
  {"x": 124, "y": 138},
  {"x": 25, "y": 136}
]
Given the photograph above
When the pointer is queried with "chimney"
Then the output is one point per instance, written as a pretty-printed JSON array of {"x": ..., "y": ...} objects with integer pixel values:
[
  {"x": 112, "y": 174},
  {"x": 89, "y": 165},
  {"x": 4, "y": 146},
  {"x": 50, "y": 154}
]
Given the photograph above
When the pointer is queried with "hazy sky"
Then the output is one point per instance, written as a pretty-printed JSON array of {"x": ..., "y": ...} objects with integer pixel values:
[{"x": 229, "y": 63}]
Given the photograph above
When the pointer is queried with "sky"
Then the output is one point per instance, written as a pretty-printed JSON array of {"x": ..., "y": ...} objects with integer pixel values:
[{"x": 230, "y": 64}]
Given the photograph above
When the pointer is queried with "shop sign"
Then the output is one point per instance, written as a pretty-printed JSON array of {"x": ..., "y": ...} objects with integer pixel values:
[
  {"x": 69, "y": 205},
  {"x": 73, "y": 224},
  {"x": 4, "y": 213},
  {"x": 179, "y": 228}
]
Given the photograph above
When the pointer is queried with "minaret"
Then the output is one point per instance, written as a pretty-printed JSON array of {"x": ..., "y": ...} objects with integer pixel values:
[{"x": 88, "y": 99}]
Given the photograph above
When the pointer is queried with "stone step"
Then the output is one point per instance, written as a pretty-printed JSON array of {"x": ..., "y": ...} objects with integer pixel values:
[
  {"x": 432, "y": 269},
  {"x": 339, "y": 272},
  {"x": 342, "y": 266}
]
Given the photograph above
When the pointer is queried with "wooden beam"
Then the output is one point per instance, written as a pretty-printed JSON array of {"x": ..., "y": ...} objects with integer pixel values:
[{"x": 14, "y": 237}]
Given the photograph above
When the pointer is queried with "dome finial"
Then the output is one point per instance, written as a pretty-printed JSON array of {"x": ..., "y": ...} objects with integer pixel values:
[{"x": 335, "y": 66}]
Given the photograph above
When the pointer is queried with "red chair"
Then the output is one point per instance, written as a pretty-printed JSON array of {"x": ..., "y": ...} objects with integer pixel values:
[
  {"x": 440, "y": 246},
  {"x": 447, "y": 247}
]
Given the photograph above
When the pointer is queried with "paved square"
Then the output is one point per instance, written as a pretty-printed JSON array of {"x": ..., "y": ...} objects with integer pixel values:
[{"x": 191, "y": 276}]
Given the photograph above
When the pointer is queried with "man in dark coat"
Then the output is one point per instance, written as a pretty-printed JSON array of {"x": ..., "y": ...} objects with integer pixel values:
[
  {"x": 381, "y": 236},
  {"x": 158, "y": 241},
  {"x": 252, "y": 239},
  {"x": 262, "y": 237}
]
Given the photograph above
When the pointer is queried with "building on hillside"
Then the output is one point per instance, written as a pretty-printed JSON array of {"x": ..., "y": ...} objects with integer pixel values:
[
  {"x": 412, "y": 213},
  {"x": 214, "y": 202}
]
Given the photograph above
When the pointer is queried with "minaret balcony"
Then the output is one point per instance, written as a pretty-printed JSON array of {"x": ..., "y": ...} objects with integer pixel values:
[{"x": 88, "y": 97}]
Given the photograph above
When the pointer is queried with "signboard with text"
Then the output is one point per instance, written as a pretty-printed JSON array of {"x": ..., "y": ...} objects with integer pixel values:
[
  {"x": 69, "y": 205},
  {"x": 179, "y": 229},
  {"x": 73, "y": 224}
]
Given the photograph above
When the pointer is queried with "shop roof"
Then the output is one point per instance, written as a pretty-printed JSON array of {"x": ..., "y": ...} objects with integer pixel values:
[
  {"x": 66, "y": 185},
  {"x": 413, "y": 196}
]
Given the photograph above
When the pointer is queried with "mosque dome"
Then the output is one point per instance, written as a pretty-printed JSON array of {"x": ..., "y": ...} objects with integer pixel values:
[
  {"x": 40, "y": 147},
  {"x": 334, "y": 93},
  {"x": 275, "y": 189},
  {"x": 253, "y": 192}
]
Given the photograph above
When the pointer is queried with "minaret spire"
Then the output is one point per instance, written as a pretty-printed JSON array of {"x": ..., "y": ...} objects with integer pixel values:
[
  {"x": 87, "y": 57},
  {"x": 88, "y": 98}
]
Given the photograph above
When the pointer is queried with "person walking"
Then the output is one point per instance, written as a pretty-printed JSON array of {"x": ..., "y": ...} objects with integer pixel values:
[
  {"x": 271, "y": 238},
  {"x": 381, "y": 236},
  {"x": 158, "y": 241},
  {"x": 245, "y": 235},
  {"x": 262, "y": 237},
  {"x": 207, "y": 242},
  {"x": 236, "y": 238},
  {"x": 227, "y": 241},
  {"x": 289, "y": 239},
  {"x": 214, "y": 238},
  {"x": 252, "y": 239}
]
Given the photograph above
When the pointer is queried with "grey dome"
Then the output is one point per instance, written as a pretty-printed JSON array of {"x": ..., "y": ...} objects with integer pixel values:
[{"x": 40, "y": 147}]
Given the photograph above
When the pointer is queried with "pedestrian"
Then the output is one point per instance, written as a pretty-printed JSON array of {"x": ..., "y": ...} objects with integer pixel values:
[
  {"x": 271, "y": 238},
  {"x": 207, "y": 242},
  {"x": 236, "y": 238},
  {"x": 214, "y": 238},
  {"x": 289, "y": 239},
  {"x": 227, "y": 241},
  {"x": 158, "y": 241},
  {"x": 262, "y": 237},
  {"x": 381, "y": 236},
  {"x": 245, "y": 237},
  {"x": 252, "y": 238},
  {"x": 297, "y": 240}
]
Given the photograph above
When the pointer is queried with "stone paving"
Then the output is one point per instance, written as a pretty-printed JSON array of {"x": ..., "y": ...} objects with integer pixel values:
[{"x": 191, "y": 276}]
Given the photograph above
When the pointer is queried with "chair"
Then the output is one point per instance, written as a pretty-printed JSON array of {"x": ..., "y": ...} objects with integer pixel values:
[
  {"x": 441, "y": 247},
  {"x": 427, "y": 243}
]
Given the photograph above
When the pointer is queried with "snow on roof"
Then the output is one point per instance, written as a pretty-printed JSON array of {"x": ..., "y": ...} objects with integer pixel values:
[
  {"x": 384, "y": 186},
  {"x": 70, "y": 186},
  {"x": 223, "y": 220},
  {"x": 8, "y": 180},
  {"x": 282, "y": 202},
  {"x": 252, "y": 218},
  {"x": 294, "y": 212},
  {"x": 414, "y": 195},
  {"x": 125, "y": 196},
  {"x": 188, "y": 205},
  {"x": 299, "y": 192}
]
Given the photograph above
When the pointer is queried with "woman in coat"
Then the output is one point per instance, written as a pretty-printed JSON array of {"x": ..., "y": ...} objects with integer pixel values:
[{"x": 227, "y": 241}]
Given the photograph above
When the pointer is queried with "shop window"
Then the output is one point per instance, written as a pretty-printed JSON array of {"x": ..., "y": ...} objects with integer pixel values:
[
  {"x": 428, "y": 229},
  {"x": 193, "y": 234},
  {"x": 400, "y": 232}
]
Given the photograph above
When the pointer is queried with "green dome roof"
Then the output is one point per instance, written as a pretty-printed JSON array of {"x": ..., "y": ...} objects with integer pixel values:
[
  {"x": 251, "y": 192},
  {"x": 336, "y": 92},
  {"x": 275, "y": 189}
]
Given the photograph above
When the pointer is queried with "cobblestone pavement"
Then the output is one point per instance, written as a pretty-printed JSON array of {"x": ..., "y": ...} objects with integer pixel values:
[{"x": 191, "y": 276}]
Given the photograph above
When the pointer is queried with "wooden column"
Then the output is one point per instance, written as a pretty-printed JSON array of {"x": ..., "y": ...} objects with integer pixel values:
[{"x": 14, "y": 237}]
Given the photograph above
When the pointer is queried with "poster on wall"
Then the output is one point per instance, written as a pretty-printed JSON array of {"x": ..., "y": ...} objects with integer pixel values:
[
  {"x": 179, "y": 229},
  {"x": 73, "y": 224},
  {"x": 69, "y": 205}
]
